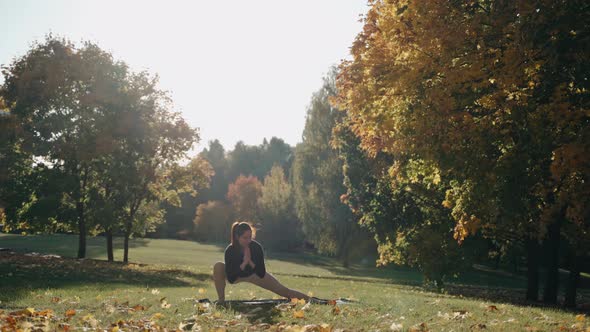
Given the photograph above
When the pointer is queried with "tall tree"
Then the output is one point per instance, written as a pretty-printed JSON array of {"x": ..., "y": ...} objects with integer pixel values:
[
  {"x": 60, "y": 96},
  {"x": 243, "y": 194},
  {"x": 213, "y": 221},
  {"x": 280, "y": 228},
  {"x": 488, "y": 92},
  {"x": 150, "y": 145},
  {"x": 318, "y": 182}
]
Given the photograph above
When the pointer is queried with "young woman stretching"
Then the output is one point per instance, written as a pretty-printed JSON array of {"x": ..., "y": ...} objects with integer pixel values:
[{"x": 244, "y": 261}]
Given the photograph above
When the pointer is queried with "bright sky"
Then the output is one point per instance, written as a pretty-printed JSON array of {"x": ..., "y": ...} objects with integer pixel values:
[{"x": 238, "y": 70}]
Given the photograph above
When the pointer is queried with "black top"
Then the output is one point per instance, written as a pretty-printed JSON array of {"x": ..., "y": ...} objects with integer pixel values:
[{"x": 234, "y": 258}]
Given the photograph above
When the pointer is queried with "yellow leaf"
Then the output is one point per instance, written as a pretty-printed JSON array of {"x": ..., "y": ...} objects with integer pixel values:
[
  {"x": 115, "y": 329},
  {"x": 580, "y": 318},
  {"x": 299, "y": 314},
  {"x": 157, "y": 315},
  {"x": 325, "y": 328},
  {"x": 201, "y": 291}
]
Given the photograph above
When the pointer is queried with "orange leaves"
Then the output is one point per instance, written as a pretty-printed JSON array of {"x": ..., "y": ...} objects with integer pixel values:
[
  {"x": 138, "y": 307},
  {"x": 335, "y": 310},
  {"x": 243, "y": 194},
  {"x": 70, "y": 313},
  {"x": 298, "y": 314}
]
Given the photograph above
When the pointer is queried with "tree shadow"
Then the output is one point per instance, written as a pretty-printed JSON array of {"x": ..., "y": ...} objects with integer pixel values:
[
  {"x": 66, "y": 245},
  {"x": 23, "y": 273}
]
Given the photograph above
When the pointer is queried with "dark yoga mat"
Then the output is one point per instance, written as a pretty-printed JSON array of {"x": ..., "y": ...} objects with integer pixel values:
[{"x": 279, "y": 301}]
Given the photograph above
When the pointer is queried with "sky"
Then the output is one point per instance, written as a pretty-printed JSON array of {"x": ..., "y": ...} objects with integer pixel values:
[{"x": 237, "y": 70}]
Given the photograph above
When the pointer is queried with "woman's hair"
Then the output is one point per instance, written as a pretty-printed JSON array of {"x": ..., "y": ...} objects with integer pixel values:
[{"x": 238, "y": 228}]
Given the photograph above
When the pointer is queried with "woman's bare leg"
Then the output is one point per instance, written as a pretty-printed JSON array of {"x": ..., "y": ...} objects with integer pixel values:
[
  {"x": 219, "y": 278},
  {"x": 269, "y": 282}
]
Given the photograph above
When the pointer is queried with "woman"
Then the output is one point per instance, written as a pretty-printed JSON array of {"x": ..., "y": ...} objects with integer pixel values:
[{"x": 244, "y": 261}]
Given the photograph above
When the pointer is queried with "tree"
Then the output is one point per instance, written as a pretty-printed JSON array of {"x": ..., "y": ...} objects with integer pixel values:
[
  {"x": 60, "y": 96},
  {"x": 280, "y": 228},
  {"x": 317, "y": 181},
  {"x": 216, "y": 156},
  {"x": 147, "y": 156},
  {"x": 243, "y": 195},
  {"x": 213, "y": 221},
  {"x": 258, "y": 160},
  {"x": 489, "y": 93}
]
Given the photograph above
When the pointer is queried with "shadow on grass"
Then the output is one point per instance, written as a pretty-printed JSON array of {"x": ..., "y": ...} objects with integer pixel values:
[
  {"x": 65, "y": 245},
  {"x": 21, "y": 274}
]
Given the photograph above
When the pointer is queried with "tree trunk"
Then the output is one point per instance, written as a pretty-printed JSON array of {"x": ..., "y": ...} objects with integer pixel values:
[
  {"x": 81, "y": 230},
  {"x": 345, "y": 259},
  {"x": 532, "y": 248},
  {"x": 110, "y": 255},
  {"x": 126, "y": 248},
  {"x": 552, "y": 279},
  {"x": 126, "y": 242},
  {"x": 572, "y": 282}
]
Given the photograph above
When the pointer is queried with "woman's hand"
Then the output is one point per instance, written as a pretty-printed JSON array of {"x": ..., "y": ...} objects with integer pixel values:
[
  {"x": 247, "y": 258},
  {"x": 247, "y": 255}
]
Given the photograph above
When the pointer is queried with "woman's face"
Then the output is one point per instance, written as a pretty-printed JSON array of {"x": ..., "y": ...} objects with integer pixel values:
[{"x": 245, "y": 239}]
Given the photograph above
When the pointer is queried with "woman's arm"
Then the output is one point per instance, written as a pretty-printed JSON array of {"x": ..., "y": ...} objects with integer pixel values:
[
  {"x": 258, "y": 259},
  {"x": 232, "y": 264}
]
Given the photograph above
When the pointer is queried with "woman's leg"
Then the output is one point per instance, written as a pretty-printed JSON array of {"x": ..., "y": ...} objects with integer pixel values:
[
  {"x": 269, "y": 282},
  {"x": 219, "y": 278}
]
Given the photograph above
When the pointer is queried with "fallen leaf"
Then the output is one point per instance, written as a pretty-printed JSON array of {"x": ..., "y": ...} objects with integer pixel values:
[
  {"x": 492, "y": 308},
  {"x": 138, "y": 307},
  {"x": 306, "y": 306},
  {"x": 419, "y": 328},
  {"x": 299, "y": 314},
  {"x": 580, "y": 318},
  {"x": 335, "y": 310},
  {"x": 396, "y": 327},
  {"x": 90, "y": 321},
  {"x": 70, "y": 313}
]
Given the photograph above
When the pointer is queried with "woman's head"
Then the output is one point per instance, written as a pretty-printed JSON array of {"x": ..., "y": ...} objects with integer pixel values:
[{"x": 242, "y": 233}]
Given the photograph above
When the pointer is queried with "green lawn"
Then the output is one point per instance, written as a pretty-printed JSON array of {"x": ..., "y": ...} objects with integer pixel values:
[{"x": 161, "y": 292}]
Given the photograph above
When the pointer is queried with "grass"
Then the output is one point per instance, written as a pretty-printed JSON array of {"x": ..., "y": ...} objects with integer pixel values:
[{"x": 160, "y": 289}]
